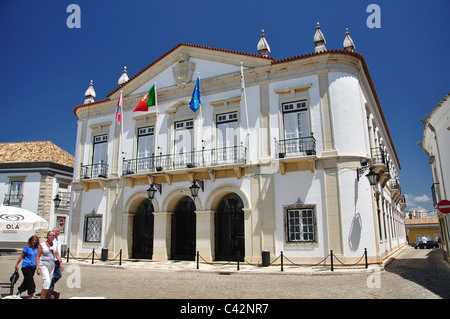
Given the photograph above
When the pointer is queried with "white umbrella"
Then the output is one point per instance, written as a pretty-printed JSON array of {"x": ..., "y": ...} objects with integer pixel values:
[{"x": 15, "y": 218}]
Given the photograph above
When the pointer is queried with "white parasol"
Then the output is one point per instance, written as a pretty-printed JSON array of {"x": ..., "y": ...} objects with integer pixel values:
[{"x": 15, "y": 218}]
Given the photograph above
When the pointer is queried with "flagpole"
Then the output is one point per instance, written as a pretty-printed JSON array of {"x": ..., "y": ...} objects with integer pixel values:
[
  {"x": 200, "y": 124},
  {"x": 121, "y": 129},
  {"x": 156, "y": 122},
  {"x": 244, "y": 96}
]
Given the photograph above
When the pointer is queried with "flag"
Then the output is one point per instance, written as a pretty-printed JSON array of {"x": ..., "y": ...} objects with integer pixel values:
[
  {"x": 195, "y": 100},
  {"x": 119, "y": 108},
  {"x": 149, "y": 99}
]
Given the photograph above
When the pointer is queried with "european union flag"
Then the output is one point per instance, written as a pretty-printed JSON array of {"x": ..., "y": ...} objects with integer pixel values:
[{"x": 195, "y": 100}]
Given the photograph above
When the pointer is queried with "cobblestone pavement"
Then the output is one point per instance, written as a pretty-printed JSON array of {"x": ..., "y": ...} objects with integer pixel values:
[{"x": 412, "y": 274}]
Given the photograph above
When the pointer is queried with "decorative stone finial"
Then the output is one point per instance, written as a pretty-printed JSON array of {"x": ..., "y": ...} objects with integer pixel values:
[
  {"x": 319, "y": 39},
  {"x": 348, "y": 42},
  {"x": 90, "y": 93},
  {"x": 263, "y": 47},
  {"x": 124, "y": 77}
]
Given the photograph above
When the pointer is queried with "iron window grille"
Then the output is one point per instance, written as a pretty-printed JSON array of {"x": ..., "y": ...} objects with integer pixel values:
[{"x": 93, "y": 228}]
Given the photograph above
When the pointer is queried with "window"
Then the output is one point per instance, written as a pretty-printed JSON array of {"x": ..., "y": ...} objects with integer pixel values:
[
  {"x": 15, "y": 195},
  {"x": 300, "y": 224},
  {"x": 183, "y": 144},
  {"x": 93, "y": 228},
  {"x": 99, "y": 156},
  {"x": 295, "y": 120},
  {"x": 145, "y": 149},
  {"x": 145, "y": 144},
  {"x": 99, "y": 151},
  {"x": 227, "y": 136}
]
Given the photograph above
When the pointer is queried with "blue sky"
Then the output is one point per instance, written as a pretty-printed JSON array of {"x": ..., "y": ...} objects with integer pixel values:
[{"x": 46, "y": 67}]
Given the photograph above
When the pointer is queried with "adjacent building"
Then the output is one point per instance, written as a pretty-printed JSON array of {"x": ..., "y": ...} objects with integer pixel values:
[
  {"x": 417, "y": 228},
  {"x": 276, "y": 158},
  {"x": 32, "y": 175},
  {"x": 436, "y": 141}
]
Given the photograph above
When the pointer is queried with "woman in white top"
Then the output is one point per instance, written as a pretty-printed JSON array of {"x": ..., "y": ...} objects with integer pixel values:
[{"x": 45, "y": 261}]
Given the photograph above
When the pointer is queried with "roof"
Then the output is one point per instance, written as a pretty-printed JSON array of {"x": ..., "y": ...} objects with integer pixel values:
[
  {"x": 422, "y": 221},
  {"x": 26, "y": 152}
]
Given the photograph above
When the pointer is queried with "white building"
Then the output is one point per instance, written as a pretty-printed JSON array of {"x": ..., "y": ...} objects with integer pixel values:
[
  {"x": 32, "y": 174},
  {"x": 279, "y": 164},
  {"x": 436, "y": 141}
]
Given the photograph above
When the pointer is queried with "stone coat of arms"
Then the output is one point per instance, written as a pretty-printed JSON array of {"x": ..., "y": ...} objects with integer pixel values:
[{"x": 183, "y": 71}]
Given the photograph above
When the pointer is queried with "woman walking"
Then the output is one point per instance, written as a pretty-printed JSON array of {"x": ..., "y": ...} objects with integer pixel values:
[
  {"x": 28, "y": 256},
  {"x": 45, "y": 262}
]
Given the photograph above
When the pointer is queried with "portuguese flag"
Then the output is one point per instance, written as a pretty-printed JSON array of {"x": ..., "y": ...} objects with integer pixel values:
[{"x": 148, "y": 100}]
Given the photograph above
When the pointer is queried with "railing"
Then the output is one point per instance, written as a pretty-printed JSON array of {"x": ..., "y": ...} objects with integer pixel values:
[
  {"x": 280, "y": 259},
  {"x": 378, "y": 156},
  {"x": 13, "y": 200},
  {"x": 394, "y": 184},
  {"x": 202, "y": 158},
  {"x": 65, "y": 199},
  {"x": 294, "y": 147},
  {"x": 94, "y": 170}
]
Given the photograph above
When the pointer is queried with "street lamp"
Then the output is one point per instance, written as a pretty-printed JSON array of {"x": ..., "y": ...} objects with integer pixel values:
[
  {"x": 152, "y": 190},
  {"x": 195, "y": 188},
  {"x": 372, "y": 176},
  {"x": 57, "y": 200}
]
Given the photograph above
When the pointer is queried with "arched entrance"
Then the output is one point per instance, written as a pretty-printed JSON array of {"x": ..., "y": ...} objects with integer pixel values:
[
  {"x": 143, "y": 227},
  {"x": 229, "y": 228},
  {"x": 183, "y": 230}
]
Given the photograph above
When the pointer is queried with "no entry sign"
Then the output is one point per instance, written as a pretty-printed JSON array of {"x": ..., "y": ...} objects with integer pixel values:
[{"x": 444, "y": 206}]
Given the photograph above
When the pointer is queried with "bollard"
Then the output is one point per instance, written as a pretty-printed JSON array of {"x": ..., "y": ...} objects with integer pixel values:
[
  {"x": 331, "y": 254},
  {"x": 120, "y": 257},
  {"x": 93, "y": 253},
  {"x": 238, "y": 257},
  {"x": 281, "y": 260},
  {"x": 68, "y": 255},
  {"x": 365, "y": 255},
  {"x": 198, "y": 259}
]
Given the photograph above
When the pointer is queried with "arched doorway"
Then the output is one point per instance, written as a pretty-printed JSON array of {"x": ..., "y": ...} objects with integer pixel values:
[
  {"x": 143, "y": 227},
  {"x": 229, "y": 228},
  {"x": 183, "y": 230}
]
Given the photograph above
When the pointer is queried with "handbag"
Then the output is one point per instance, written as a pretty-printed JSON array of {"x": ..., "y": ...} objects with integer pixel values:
[
  {"x": 52, "y": 294},
  {"x": 13, "y": 279}
]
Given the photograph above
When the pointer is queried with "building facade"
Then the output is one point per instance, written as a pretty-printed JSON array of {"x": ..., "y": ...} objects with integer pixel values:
[
  {"x": 417, "y": 228},
  {"x": 279, "y": 157},
  {"x": 436, "y": 141},
  {"x": 32, "y": 175}
]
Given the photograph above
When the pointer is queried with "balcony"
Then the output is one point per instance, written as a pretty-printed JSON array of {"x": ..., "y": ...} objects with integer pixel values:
[
  {"x": 94, "y": 175},
  {"x": 380, "y": 165},
  {"x": 13, "y": 200},
  {"x": 296, "y": 154},
  {"x": 205, "y": 163},
  {"x": 394, "y": 186},
  {"x": 64, "y": 197}
]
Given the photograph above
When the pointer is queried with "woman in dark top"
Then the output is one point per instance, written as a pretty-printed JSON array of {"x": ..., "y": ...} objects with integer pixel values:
[{"x": 28, "y": 266}]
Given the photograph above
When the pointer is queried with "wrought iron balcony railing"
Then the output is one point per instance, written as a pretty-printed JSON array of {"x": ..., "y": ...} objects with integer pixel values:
[
  {"x": 64, "y": 196},
  {"x": 13, "y": 200},
  {"x": 379, "y": 157},
  {"x": 94, "y": 170},
  {"x": 295, "y": 147},
  {"x": 203, "y": 158}
]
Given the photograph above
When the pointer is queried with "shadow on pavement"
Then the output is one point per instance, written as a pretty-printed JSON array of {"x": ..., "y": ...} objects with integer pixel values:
[{"x": 430, "y": 271}]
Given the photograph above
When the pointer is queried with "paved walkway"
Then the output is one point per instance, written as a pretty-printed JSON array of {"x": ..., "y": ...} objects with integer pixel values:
[{"x": 411, "y": 274}]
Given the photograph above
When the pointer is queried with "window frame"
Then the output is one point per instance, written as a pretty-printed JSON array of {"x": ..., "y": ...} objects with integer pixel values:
[
  {"x": 86, "y": 228},
  {"x": 312, "y": 225}
]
